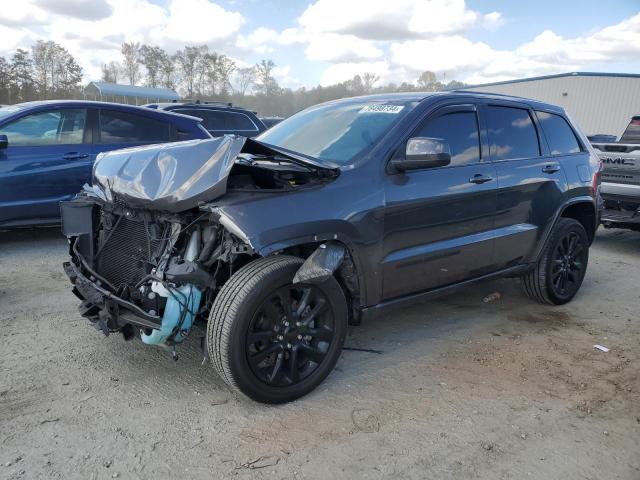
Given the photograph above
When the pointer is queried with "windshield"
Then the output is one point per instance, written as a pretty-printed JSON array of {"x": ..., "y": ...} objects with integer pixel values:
[
  {"x": 7, "y": 110},
  {"x": 337, "y": 132}
]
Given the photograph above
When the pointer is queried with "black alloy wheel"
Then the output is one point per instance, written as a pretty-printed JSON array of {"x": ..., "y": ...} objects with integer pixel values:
[
  {"x": 290, "y": 335},
  {"x": 272, "y": 340},
  {"x": 558, "y": 274},
  {"x": 569, "y": 264}
]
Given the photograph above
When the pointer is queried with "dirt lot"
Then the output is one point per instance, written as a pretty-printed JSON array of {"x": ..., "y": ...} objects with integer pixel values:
[{"x": 462, "y": 389}]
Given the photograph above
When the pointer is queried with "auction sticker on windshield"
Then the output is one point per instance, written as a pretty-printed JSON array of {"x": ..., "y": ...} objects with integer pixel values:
[{"x": 381, "y": 108}]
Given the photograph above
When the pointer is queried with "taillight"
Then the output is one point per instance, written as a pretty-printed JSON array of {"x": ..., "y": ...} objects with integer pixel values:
[{"x": 596, "y": 176}]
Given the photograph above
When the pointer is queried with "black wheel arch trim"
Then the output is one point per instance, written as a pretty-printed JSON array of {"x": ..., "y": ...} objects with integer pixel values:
[
  {"x": 320, "y": 238},
  {"x": 568, "y": 203}
]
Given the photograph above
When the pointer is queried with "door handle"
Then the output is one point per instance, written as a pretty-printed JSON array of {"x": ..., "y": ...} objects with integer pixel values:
[
  {"x": 478, "y": 178},
  {"x": 75, "y": 156},
  {"x": 551, "y": 168}
]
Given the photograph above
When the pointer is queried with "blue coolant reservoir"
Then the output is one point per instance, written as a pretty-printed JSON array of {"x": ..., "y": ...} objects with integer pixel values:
[{"x": 186, "y": 294}]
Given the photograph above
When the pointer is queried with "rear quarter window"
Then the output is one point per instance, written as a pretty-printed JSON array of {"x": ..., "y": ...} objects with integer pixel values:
[
  {"x": 219, "y": 120},
  {"x": 512, "y": 134},
  {"x": 562, "y": 140}
]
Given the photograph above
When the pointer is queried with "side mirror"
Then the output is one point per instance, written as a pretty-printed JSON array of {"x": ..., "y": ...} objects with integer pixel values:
[
  {"x": 4, "y": 141},
  {"x": 422, "y": 152}
]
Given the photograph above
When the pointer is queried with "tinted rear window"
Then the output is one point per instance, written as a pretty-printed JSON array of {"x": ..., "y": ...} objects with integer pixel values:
[
  {"x": 512, "y": 133},
  {"x": 219, "y": 120},
  {"x": 460, "y": 131},
  {"x": 126, "y": 127},
  {"x": 561, "y": 138},
  {"x": 632, "y": 133}
]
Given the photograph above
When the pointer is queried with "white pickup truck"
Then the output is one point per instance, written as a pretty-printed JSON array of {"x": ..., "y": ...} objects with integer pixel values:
[{"x": 620, "y": 177}]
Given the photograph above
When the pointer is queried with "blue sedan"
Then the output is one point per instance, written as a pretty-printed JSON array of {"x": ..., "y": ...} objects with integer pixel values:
[{"x": 47, "y": 150}]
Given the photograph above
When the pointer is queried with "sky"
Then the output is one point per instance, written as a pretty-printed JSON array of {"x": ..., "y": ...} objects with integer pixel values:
[{"x": 329, "y": 41}]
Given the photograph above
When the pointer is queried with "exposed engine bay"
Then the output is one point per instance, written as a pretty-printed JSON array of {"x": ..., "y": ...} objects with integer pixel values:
[{"x": 148, "y": 253}]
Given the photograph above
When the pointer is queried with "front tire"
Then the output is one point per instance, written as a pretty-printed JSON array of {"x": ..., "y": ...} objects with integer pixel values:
[
  {"x": 559, "y": 273},
  {"x": 271, "y": 340}
]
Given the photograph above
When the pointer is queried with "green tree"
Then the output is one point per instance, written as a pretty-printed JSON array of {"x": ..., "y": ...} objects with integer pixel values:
[
  {"x": 131, "y": 53},
  {"x": 245, "y": 78},
  {"x": 21, "y": 77},
  {"x": 188, "y": 61},
  {"x": 154, "y": 59},
  {"x": 426, "y": 80},
  {"x": 110, "y": 72},
  {"x": 265, "y": 82},
  {"x": 5, "y": 81}
]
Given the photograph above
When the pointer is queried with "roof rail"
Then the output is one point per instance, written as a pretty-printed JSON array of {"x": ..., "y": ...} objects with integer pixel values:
[{"x": 206, "y": 102}]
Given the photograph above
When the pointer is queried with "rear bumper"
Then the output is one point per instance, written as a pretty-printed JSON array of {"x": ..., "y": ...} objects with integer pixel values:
[
  {"x": 621, "y": 205},
  {"x": 620, "y": 192}
]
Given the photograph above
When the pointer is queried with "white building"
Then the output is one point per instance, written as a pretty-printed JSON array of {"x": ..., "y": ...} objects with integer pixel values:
[{"x": 599, "y": 102}]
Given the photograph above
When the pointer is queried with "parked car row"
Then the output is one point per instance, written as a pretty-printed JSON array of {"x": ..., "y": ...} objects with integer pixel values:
[{"x": 48, "y": 148}]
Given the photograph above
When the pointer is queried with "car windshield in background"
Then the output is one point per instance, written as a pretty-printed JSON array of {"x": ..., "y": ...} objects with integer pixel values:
[
  {"x": 7, "y": 110},
  {"x": 336, "y": 132}
]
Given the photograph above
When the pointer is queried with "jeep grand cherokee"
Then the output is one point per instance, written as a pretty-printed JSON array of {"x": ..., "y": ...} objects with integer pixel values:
[{"x": 337, "y": 213}]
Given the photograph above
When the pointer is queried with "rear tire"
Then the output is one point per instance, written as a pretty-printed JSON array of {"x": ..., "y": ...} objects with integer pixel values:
[
  {"x": 271, "y": 340},
  {"x": 559, "y": 273}
]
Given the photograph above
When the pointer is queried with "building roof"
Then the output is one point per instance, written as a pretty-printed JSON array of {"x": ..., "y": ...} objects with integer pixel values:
[
  {"x": 558, "y": 75},
  {"x": 119, "y": 90}
]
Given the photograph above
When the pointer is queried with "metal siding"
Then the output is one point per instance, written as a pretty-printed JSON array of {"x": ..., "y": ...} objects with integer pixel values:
[
  {"x": 602, "y": 104},
  {"x": 133, "y": 91}
]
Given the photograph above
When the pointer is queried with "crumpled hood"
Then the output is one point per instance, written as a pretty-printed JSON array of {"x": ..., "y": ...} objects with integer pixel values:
[{"x": 171, "y": 177}]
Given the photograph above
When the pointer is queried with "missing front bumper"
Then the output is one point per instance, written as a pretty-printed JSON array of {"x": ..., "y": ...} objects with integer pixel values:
[{"x": 110, "y": 312}]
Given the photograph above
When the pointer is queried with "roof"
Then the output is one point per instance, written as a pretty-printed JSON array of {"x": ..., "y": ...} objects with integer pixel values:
[
  {"x": 97, "y": 104},
  {"x": 419, "y": 96},
  {"x": 169, "y": 106},
  {"x": 118, "y": 89},
  {"x": 558, "y": 75}
]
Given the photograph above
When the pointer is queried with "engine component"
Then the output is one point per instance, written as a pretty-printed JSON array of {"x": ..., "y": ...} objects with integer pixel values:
[{"x": 181, "y": 307}]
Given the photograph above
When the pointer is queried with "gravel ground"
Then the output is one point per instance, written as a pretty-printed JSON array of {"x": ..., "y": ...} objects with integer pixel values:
[{"x": 461, "y": 389}]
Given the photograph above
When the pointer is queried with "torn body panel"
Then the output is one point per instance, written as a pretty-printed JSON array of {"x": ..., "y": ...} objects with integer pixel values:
[
  {"x": 321, "y": 264},
  {"x": 175, "y": 177},
  {"x": 171, "y": 177}
]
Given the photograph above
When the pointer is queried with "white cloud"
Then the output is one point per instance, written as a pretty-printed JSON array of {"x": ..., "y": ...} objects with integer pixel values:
[
  {"x": 259, "y": 40},
  {"x": 332, "y": 47},
  {"x": 23, "y": 13},
  {"x": 385, "y": 20},
  {"x": 84, "y": 9},
  {"x": 396, "y": 40},
  {"x": 284, "y": 78},
  {"x": 197, "y": 21},
  {"x": 94, "y": 38},
  {"x": 476, "y": 62}
]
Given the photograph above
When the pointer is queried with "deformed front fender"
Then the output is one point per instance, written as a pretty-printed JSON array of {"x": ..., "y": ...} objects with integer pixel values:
[{"x": 321, "y": 264}]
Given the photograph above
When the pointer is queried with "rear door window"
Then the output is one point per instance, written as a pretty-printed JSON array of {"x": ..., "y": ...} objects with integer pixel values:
[
  {"x": 460, "y": 131},
  {"x": 125, "y": 127},
  {"x": 51, "y": 127},
  {"x": 512, "y": 134},
  {"x": 239, "y": 121},
  {"x": 562, "y": 140}
]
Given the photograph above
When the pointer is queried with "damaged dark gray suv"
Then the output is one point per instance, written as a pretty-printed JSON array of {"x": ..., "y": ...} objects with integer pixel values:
[{"x": 335, "y": 214}]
